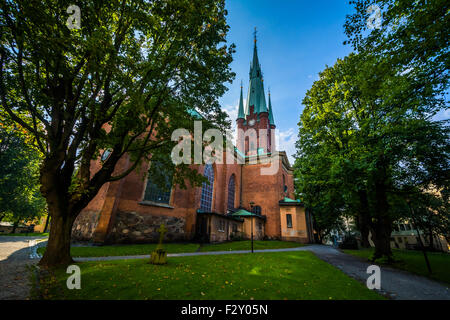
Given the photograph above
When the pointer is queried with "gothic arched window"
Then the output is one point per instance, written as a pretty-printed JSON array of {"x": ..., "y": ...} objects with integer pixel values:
[
  {"x": 207, "y": 189},
  {"x": 153, "y": 191},
  {"x": 231, "y": 191}
]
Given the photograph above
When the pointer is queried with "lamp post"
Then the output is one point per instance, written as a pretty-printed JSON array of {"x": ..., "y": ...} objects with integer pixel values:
[{"x": 251, "y": 222}]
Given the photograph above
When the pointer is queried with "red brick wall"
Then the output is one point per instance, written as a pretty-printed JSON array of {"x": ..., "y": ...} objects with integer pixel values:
[{"x": 125, "y": 196}]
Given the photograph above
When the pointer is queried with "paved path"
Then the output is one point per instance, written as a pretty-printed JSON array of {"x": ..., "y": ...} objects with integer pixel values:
[
  {"x": 14, "y": 258},
  {"x": 395, "y": 284}
]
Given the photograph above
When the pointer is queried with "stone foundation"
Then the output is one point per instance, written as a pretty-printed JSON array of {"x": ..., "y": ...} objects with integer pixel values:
[
  {"x": 84, "y": 226},
  {"x": 132, "y": 227}
]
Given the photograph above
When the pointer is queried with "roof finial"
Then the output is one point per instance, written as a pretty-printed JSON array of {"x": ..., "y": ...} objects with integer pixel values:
[
  {"x": 242, "y": 84},
  {"x": 254, "y": 34}
]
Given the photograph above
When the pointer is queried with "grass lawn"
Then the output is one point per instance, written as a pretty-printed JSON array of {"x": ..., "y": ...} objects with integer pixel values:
[
  {"x": 246, "y": 245},
  {"x": 143, "y": 249},
  {"x": 127, "y": 249},
  {"x": 414, "y": 261},
  {"x": 31, "y": 234},
  {"x": 278, "y": 275}
]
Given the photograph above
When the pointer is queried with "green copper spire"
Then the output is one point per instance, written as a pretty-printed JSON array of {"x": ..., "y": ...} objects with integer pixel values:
[
  {"x": 271, "y": 121},
  {"x": 241, "y": 114},
  {"x": 256, "y": 95}
]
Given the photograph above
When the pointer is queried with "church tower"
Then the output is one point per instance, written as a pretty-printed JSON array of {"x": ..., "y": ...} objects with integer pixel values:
[{"x": 255, "y": 121}]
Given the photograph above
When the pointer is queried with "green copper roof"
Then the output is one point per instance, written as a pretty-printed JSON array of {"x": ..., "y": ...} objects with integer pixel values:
[
  {"x": 255, "y": 95},
  {"x": 243, "y": 212},
  {"x": 194, "y": 113},
  {"x": 271, "y": 121},
  {"x": 241, "y": 114},
  {"x": 286, "y": 199}
]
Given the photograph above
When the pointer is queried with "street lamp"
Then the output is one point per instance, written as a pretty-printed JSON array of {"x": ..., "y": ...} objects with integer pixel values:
[{"x": 251, "y": 222}]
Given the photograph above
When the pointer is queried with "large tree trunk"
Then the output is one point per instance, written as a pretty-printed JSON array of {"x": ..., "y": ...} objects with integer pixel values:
[
  {"x": 15, "y": 224},
  {"x": 381, "y": 237},
  {"x": 431, "y": 242},
  {"x": 55, "y": 192},
  {"x": 382, "y": 228},
  {"x": 363, "y": 219},
  {"x": 58, "y": 246}
]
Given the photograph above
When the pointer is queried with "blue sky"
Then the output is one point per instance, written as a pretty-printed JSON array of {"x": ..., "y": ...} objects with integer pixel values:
[{"x": 296, "y": 39}]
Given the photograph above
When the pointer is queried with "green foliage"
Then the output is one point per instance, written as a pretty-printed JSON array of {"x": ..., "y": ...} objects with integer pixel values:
[
  {"x": 123, "y": 82},
  {"x": 413, "y": 36},
  {"x": 131, "y": 68},
  {"x": 366, "y": 141},
  {"x": 20, "y": 199}
]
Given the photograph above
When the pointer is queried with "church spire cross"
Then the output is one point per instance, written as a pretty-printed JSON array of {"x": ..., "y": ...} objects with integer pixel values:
[{"x": 254, "y": 34}]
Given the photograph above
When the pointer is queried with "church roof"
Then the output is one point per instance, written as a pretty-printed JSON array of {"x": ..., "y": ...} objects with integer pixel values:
[
  {"x": 241, "y": 114},
  {"x": 244, "y": 213},
  {"x": 271, "y": 121},
  {"x": 289, "y": 201},
  {"x": 255, "y": 96}
]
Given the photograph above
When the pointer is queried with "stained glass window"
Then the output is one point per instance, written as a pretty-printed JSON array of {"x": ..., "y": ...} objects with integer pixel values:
[
  {"x": 231, "y": 191},
  {"x": 155, "y": 193},
  {"x": 207, "y": 189}
]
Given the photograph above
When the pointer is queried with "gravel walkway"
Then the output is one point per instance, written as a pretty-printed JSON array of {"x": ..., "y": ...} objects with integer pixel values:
[
  {"x": 15, "y": 255},
  {"x": 395, "y": 284}
]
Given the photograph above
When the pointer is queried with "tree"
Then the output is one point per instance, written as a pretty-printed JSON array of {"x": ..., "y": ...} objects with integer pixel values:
[
  {"x": 365, "y": 138},
  {"x": 413, "y": 35},
  {"x": 131, "y": 74},
  {"x": 20, "y": 199}
]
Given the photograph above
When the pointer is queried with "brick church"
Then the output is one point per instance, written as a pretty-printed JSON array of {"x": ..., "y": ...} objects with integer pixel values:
[{"x": 237, "y": 203}]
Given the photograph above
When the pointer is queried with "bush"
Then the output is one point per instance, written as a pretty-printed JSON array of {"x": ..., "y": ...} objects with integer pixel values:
[
  {"x": 349, "y": 242},
  {"x": 237, "y": 236}
]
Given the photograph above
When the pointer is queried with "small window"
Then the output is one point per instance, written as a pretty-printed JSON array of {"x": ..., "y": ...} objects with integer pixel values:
[
  {"x": 235, "y": 227},
  {"x": 106, "y": 154},
  {"x": 400, "y": 240},
  {"x": 289, "y": 220},
  {"x": 257, "y": 210}
]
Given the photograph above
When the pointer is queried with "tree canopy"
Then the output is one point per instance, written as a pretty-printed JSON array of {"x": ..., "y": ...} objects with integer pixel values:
[
  {"x": 20, "y": 199},
  {"x": 121, "y": 82},
  {"x": 367, "y": 143}
]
